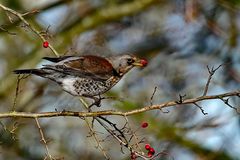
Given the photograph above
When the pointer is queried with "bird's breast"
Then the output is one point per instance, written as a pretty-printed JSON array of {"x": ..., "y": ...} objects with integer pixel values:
[{"x": 88, "y": 87}]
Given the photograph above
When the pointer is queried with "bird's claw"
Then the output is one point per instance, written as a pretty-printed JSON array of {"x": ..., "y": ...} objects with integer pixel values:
[{"x": 97, "y": 102}]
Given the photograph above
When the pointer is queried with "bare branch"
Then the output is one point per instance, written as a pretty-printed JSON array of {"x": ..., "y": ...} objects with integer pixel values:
[
  {"x": 21, "y": 17},
  {"x": 180, "y": 101},
  {"x": 117, "y": 137},
  {"x": 133, "y": 134},
  {"x": 202, "y": 110},
  {"x": 211, "y": 73},
  {"x": 19, "y": 78},
  {"x": 93, "y": 133},
  {"x": 154, "y": 91},
  {"x": 114, "y": 112},
  {"x": 43, "y": 139},
  {"x": 226, "y": 101}
]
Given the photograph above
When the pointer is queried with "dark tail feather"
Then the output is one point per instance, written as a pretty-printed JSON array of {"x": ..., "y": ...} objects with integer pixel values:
[
  {"x": 30, "y": 71},
  {"x": 56, "y": 59}
]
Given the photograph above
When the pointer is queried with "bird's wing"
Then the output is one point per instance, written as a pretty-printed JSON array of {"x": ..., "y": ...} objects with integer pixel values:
[
  {"x": 85, "y": 66},
  {"x": 56, "y": 59}
]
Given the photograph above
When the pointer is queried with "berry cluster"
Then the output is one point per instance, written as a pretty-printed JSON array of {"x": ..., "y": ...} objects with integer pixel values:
[{"x": 151, "y": 150}]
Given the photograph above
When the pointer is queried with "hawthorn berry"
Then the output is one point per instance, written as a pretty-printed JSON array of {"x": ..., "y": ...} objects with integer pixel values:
[
  {"x": 152, "y": 150},
  {"x": 144, "y": 62},
  {"x": 45, "y": 44},
  {"x": 133, "y": 156},
  {"x": 147, "y": 147},
  {"x": 144, "y": 125},
  {"x": 150, "y": 154}
]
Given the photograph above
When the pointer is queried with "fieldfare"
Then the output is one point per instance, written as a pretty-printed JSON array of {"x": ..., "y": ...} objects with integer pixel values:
[{"x": 86, "y": 75}]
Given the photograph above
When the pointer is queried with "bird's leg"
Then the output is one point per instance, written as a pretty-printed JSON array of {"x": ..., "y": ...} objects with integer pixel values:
[{"x": 97, "y": 101}]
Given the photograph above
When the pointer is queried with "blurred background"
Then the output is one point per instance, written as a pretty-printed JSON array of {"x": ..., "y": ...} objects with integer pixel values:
[{"x": 178, "y": 37}]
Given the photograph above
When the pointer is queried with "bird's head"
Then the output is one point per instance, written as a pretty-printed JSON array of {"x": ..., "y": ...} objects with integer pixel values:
[{"x": 123, "y": 63}]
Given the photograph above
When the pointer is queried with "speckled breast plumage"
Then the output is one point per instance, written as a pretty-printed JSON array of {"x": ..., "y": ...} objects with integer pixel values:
[{"x": 87, "y": 87}]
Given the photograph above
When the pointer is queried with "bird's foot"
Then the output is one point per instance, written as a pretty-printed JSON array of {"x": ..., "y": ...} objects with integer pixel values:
[{"x": 97, "y": 102}]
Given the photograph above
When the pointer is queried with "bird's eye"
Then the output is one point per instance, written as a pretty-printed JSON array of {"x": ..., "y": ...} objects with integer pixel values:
[{"x": 130, "y": 61}]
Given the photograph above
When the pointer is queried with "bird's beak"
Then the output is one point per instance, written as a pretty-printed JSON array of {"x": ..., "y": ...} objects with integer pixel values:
[{"x": 140, "y": 63}]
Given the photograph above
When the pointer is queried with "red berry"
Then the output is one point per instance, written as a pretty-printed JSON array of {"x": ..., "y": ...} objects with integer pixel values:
[
  {"x": 144, "y": 125},
  {"x": 150, "y": 154},
  {"x": 152, "y": 150},
  {"x": 147, "y": 147},
  {"x": 144, "y": 62},
  {"x": 133, "y": 156},
  {"x": 45, "y": 44}
]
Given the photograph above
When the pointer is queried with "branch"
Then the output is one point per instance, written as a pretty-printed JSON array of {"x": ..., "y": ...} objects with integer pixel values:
[
  {"x": 21, "y": 17},
  {"x": 211, "y": 73},
  {"x": 120, "y": 138},
  {"x": 43, "y": 140},
  {"x": 114, "y": 112},
  {"x": 92, "y": 131},
  {"x": 202, "y": 110}
]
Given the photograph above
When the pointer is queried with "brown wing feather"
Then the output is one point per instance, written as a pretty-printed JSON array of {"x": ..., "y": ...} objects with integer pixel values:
[{"x": 91, "y": 65}]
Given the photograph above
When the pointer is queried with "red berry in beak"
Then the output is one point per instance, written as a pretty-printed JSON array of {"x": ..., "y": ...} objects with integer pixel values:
[{"x": 144, "y": 62}]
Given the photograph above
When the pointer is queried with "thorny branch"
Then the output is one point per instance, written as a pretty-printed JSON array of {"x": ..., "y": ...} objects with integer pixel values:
[
  {"x": 92, "y": 131},
  {"x": 114, "y": 112},
  {"x": 180, "y": 101},
  {"x": 33, "y": 29},
  {"x": 202, "y": 110},
  {"x": 120, "y": 138},
  {"x": 151, "y": 99},
  {"x": 226, "y": 101},
  {"x": 211, "y": 73},
  {"x": 116, "y": 133},
  {"x": 43, "y": 140},
  {"x": 19, "y": 78}
]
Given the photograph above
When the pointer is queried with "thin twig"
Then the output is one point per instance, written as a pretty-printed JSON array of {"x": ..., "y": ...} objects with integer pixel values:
[
  {"x": 43, "y": 139},
  {"x": 19, "y": 78},
  {"x": 16, "y": 93},
  {"x": 226, "y": 101},
  {"x": 93, "y": 132},
  {"x": 154, "y": 91},
  {"x": 124, "y": 143},
  {"x": 180, "y": 101},
  {"x": 202, "y": 110},
  {"x": 132, "y": 133},
  {"x": 211, "y": 73},
  {"x": 21, "y": 17}
]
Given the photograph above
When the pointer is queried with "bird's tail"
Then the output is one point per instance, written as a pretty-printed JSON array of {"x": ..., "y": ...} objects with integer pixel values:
[{"x": 38, "y": 72}]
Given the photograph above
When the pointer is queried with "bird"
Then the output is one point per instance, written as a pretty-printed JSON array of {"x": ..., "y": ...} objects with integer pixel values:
[{"x": 87, "y": 75}]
